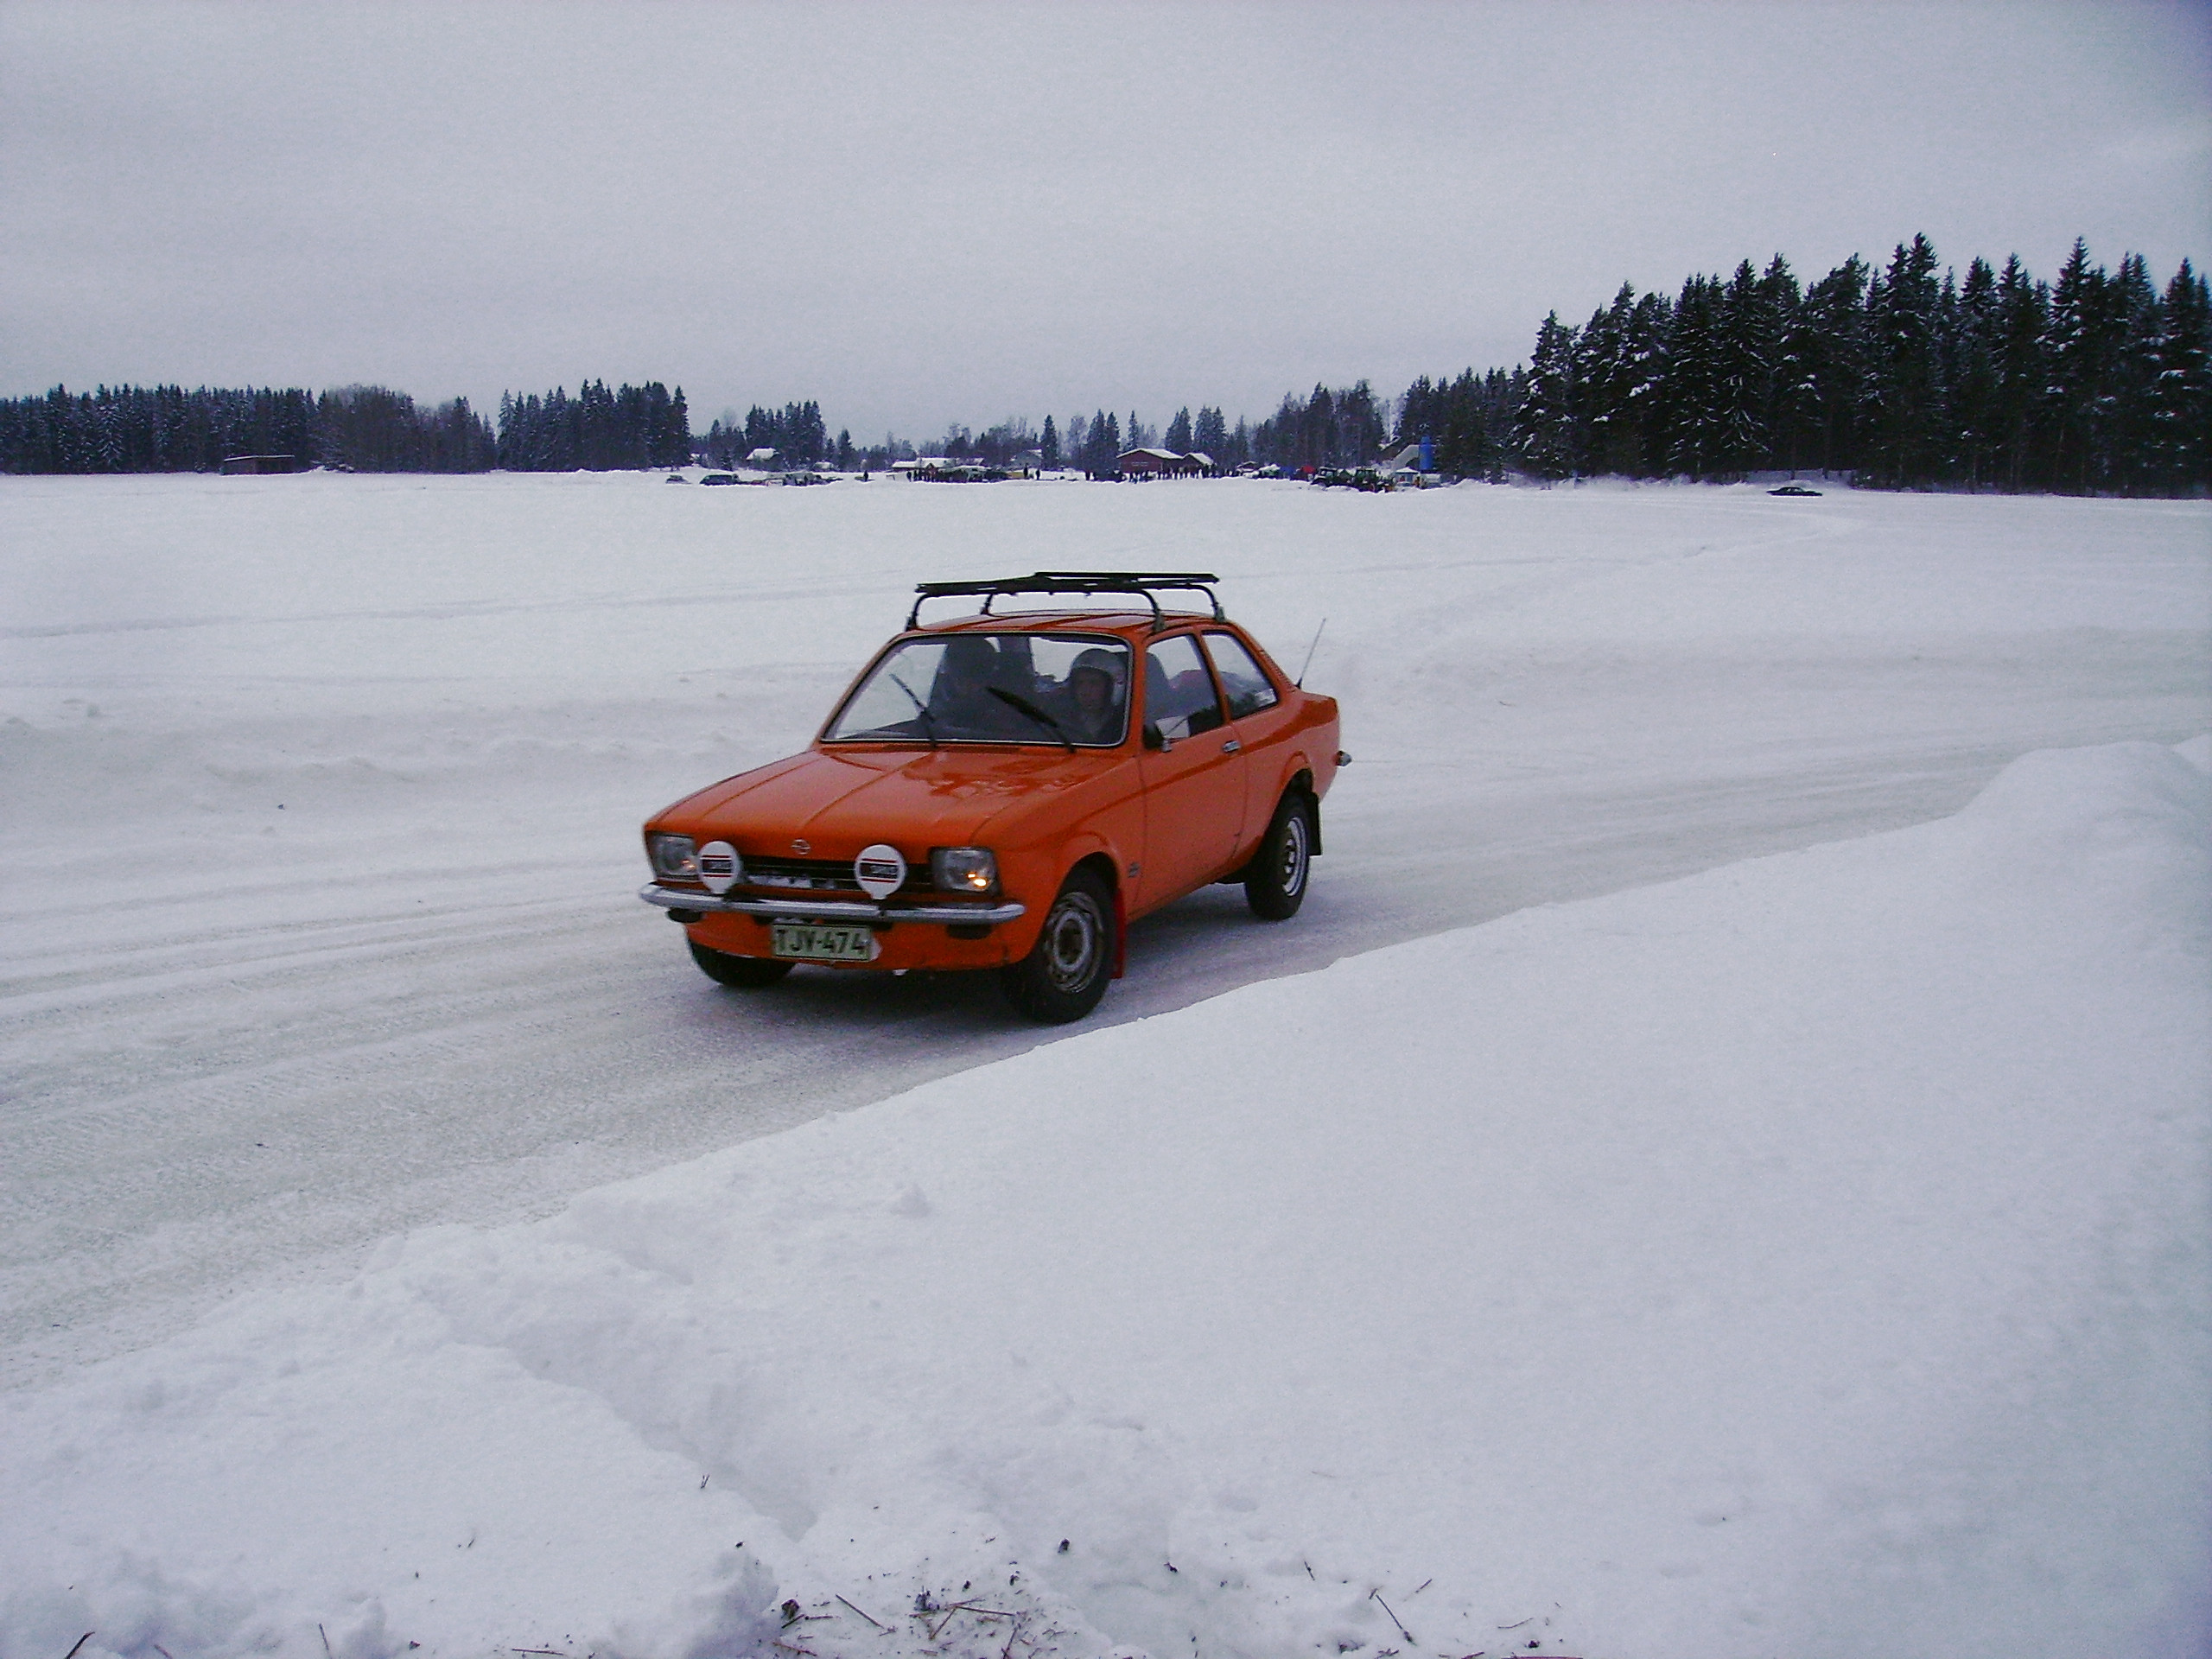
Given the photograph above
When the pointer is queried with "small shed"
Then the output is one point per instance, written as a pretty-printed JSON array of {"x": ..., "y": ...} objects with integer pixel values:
[
  {"x": 242, "y": 465},
  {"x": 763, "y": 457}
]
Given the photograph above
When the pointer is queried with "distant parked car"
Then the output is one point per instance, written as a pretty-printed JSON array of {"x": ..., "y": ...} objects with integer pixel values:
[
  {"x": 721, "y": 478},
  {"x": 974, "y": 473},
  {"x": 1009, "y": 791},
  {"x": 1794, "y": 489}
]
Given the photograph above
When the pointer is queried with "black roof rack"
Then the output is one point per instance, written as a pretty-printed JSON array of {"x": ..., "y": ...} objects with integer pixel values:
[{"x": 1149, "y": 583}]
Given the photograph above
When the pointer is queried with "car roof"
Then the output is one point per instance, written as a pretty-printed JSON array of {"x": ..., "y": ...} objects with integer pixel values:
[{"x": 1131, "y": 625}]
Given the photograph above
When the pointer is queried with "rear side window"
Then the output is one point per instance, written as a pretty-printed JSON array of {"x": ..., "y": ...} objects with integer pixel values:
[
  {"x": 1178, "y": 695},
  {"x": 1242, "y": 677}
]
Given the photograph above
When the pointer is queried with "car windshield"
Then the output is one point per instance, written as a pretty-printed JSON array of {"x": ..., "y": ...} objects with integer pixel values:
[{"x": 1060, "y": 689}]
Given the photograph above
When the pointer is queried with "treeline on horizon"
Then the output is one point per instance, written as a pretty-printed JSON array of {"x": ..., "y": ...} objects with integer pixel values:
[
  {"x": 2095, "y": 383},
  {"x": 355, "y": 429},
  {"x": 2098, "y": 382},
  {"x": 169, "y": 430}
]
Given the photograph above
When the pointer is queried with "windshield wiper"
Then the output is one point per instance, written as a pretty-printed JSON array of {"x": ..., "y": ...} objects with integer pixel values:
[
  {"x": 1016, "y": 701},
  {"x": 928, "y": 726}
]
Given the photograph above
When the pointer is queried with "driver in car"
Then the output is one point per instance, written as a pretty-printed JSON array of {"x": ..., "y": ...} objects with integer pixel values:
[{"x": 960, "y": 697}]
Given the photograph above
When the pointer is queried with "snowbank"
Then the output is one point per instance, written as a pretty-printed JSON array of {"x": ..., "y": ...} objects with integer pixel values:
[{"x": 1807, "y": 1257}]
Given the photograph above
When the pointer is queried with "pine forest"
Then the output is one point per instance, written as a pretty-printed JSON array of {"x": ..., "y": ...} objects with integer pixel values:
[{"x": 1905, "y": 376}]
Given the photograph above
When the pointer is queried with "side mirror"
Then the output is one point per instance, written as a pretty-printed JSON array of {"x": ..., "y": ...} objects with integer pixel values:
[{"x": 1155, "y": 738}]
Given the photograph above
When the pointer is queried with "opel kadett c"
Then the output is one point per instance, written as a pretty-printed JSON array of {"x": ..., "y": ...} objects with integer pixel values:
[{"x": 1008, "y": 790}]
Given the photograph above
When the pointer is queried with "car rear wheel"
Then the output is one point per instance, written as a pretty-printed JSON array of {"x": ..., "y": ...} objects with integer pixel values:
[
  {"x": 749, "y": 972},
  {"x": 1066, "y": 972},
  {"x": 1274, "y": 883}
]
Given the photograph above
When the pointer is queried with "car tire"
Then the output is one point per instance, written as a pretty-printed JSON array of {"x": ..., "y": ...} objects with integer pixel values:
[
  {"x": 1066, "y": 972},
  {"x": 1276, "y": 882},
  {"x": 748, "y": 973}
]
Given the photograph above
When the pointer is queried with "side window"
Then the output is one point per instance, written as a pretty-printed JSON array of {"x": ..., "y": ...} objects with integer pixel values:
[
  {"x": 1242, "y": 677},
  {"x": 1179, "y": 694}
]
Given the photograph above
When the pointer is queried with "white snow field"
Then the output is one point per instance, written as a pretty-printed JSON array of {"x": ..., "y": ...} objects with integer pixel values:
[{"x": 1673, "y": 1191}]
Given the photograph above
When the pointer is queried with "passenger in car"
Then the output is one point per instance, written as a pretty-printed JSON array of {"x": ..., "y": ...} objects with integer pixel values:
[{"x": 1094, "y": 688}]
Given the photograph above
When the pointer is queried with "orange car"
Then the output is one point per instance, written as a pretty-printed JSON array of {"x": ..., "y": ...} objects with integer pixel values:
[{"x": 1009, "y": 790}]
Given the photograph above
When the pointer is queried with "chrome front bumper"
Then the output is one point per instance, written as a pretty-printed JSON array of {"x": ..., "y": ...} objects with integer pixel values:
[{"x": 830, "y": 910}]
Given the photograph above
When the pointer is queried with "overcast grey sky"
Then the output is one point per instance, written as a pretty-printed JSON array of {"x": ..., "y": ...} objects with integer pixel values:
[{"x": 921, "y": 213}]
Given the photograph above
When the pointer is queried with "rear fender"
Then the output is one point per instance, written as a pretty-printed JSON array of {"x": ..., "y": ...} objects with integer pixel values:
[{"x": 1301, "y": 780}]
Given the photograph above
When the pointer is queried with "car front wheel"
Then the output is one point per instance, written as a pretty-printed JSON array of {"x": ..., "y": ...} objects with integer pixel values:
[
  {"x": 1274, "y": 883},
  {"x": 1066, "y": 972},
  {"x": 750, "y": 973}
]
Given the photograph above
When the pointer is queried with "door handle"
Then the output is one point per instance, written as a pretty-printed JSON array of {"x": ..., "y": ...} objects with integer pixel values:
[{"x": 1231, "y": 746}]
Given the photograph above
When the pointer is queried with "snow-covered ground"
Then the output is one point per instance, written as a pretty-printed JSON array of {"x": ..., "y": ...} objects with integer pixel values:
[{"x": 1806, "y": 1256}]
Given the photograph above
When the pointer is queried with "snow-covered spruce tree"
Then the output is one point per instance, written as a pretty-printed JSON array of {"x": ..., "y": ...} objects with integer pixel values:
[
  {"x": 2022, "y": 374},
  {"x": 1210, "y": 434},
  {"x": 1690, "y": 395},
  {"x": 1544, "y": 433},
  {"x": 1742, "y": 369},
  {"x": 2181, "y": 401},
  {"x": 1603, "y": 399},
  {"x": 1972, "y": 337},
  {"x": 2084, "y": 331},
  {"x": 1906, "y": 412}
]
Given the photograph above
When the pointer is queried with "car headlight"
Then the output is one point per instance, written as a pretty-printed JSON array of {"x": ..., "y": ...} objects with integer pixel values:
[
  {"x": 963, "y": 870},
  {"x": 675, "y": 856}
]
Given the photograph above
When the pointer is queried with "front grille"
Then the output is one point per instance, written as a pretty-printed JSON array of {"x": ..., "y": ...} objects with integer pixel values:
[{"x": 827, "y": 876}]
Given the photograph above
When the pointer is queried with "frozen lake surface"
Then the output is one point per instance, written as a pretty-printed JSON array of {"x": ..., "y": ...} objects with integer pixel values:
[
  {"x": 1717, "y": 1165},
  {"x": 319, "y": 831}
]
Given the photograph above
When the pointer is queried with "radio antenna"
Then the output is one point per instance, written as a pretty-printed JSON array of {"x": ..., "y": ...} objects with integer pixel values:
[{"x": 1310, "y": 650}]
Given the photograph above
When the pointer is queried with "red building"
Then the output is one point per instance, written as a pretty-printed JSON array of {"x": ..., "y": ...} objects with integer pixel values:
[{"x": 1157, "y": 463}]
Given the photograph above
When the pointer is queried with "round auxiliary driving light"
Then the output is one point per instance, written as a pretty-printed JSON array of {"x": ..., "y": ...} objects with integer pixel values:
[
  {"x": 880, "y": 870},
  {"x": 719, "y": 867}
]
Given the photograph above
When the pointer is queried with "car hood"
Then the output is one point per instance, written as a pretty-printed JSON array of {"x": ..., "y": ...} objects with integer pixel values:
[{"x": 840, "y": 801}]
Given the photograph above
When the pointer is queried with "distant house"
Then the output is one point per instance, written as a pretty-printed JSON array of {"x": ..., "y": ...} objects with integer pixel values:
[
  {"x": 239, "y": 466},
  {"x": 764, "y": 458},
  {"x": 1157, "y": 463}
]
